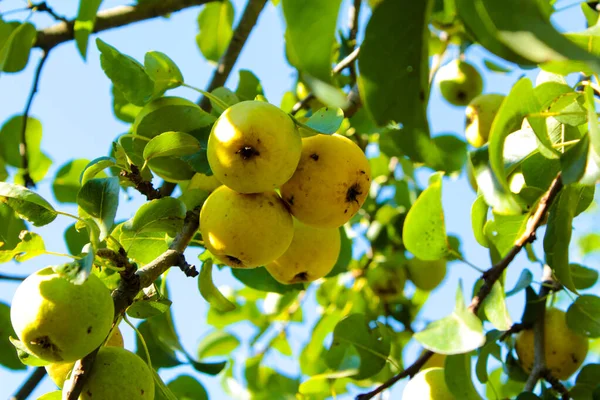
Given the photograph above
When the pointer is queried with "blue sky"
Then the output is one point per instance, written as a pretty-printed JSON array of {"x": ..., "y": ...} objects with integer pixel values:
[{"x": 74, "y": 105}]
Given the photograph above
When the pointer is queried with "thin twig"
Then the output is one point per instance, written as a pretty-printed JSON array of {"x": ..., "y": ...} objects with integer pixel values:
[
  {"x": 12, "y": 278},
  {"x": 143, "y": 186},
  {"x": 23, "y": 151},
  {"x": 30, "y": 384},
  {"x": 352, "y": 32},
  {"x": 131, "y": 283},
  {"x": 557, "y": 385},
  {"x": 113, "y": 18},
  {"x": 515, "y": 328},
  {"x": 229, "y": 58},
  {"x": 489, "y": 277},
  {"x": 44, "y": 7}
]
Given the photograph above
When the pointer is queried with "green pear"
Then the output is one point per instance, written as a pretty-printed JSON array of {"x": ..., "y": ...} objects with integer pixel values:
[
  {"x": 426, "y": 275},
  {"x": 459, "y": 82},
  {"x": 480, "y": 114},
  {"x": 387, "y": 281},
  {"x": 429, "y": 384},
  {"x": 117, "y": 374},
  {"x": 58, "y": 320}
]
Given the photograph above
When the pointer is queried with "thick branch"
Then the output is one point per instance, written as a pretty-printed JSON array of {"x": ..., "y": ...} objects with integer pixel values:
[
  {"x": 23, "y": 144},
  {"x": 229, "y": 58},
  {"x": 30, "y": 384},
  {"x": 113, "y": 18},
  {"x": 130, "y": 285},
  {"x": 490, "y": 277}
]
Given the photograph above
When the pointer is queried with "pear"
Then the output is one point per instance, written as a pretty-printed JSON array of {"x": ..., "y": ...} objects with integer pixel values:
[
  {"x": 459, "y": 82},
  {"x": 426, "y": 275},
  {"x": 428, "y": 384},
  {"x": 480, "y": 114}
]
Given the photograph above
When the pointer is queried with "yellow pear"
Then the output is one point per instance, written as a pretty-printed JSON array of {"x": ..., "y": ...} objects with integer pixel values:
[
  {"x": 59, "y": 321},
  {"x": 426, "y": 275},
  {"x": 428, "y": 384},
  {"x": 58, "y": 371},
  {"x": 480, "y": 114},
  {"x": 117, "y": 374},
  {"x": 565, "y": 350},
  {"x": 254, "y": 147},
  {"x": 331, "y": 183},
  {"x": 435, "y": 361},
  {"x": 312, "y": 255},
  {"x": 245, "y": 230},
  {"x": 208, "y": 183},
  {"x": 459, "y": 82}
]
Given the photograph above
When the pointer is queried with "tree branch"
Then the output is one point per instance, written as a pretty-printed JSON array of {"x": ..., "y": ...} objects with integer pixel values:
[
  {"x": 23, "y": 144},
  {"x": 352, "y": 32},
  {"x": 12, "y": 278},
  {"x": 130, "y": 285},
  {"x": 30, "y": 384},
  {"x": 113, "y": 18},
  {"x": 229, "y": 58},
  {"x": 144, "y": 187},
  {"x": 490, "y": 277}
]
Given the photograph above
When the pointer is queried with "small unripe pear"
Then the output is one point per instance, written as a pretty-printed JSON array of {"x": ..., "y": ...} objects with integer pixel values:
[
  {"x": 426, "y": 275},
  {"x": 429, "y": 384},
  {"x": 387, "y": 281},
  {"x": 480, "y": 114},
  {"x": 459, "y": 82}
]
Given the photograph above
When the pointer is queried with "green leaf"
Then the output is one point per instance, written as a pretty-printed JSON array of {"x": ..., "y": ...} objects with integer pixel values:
[
  {"x": 217, "y": 343},
  {"x": 163, "y": 71},
  {"x": 123, "y": 108},
  {"x": 84, "y": 23},
  {"x": 170, "y": 144},
  {"x": 583, "y": 316},
  {"x": 524, "y": 281},
  {"x": 248, "y": 86},
  {"x": 345, "y": 256},
  {"x": 10, "y": 229},
  {"x": 8, "y": 355},
  {"x": 326, "y": 121},
  {"x": 186, "y": 387},
  {"x": 128, "y": 75},
  {"x": 99, "y": 198},
  {"x": 25, "y": 356},
  {"x": 424, "y": 232},
  {"x": 492, "y": 66},
  {"x": 559, "y": 230},
  {"x": 495, "y": 308},
  {"x": 504, "y": 230},
  {"x": 162, "y": 354},
  {"x": 66, "y": 182},
  {"x": 394, "y": 59},
  {"x": 95, "y": 167},
  {"x": 144, "y": 309},
  {"x": 490, "y": 347},
  {"x": 77, "y": 271},
  {"x": 142, "y": 247},
  {"x": 27, "y": 204},
  {"x": 160, "y": 215},
  {"x": 30, "y": 246},
  {"x": 310, "y": 35},
  {"x": 479, "y": 211},
  {"x": 583, "y": 277},
  {"x": 458, "y": 333},
  {"x": 209, "y": 291},
  {"x": 215, "y": 23},
  {"x": 458, "y": 377},
  {"x": 10, "y": 139},
  {"x": 14, "y": 54},
  {"x": 160, "y": 387},
  {"x": 260, "y": 279},
  {"x": 172, "y": 114},
  {"x": 75, "y": 240},
  {"x": 586, "y": 382},
  {"x": 207, "y": 368},
  {"x": 592, "y": 168},
  {"x": 372, "y": 345}
]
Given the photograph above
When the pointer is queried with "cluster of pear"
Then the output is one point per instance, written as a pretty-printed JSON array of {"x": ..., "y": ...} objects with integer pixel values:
[
  {"x": 61, "y": 322},
  {"x": 283, "y": 197}
]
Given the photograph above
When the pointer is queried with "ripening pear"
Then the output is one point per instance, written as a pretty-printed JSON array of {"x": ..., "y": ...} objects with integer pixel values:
[
  {"x": 58, "y": 320},
  {"x": 387, "y": 281},
  {"x": 459, "y": 82},
  {"x": 480, "y": 114},
  {"x": 331, "y": 183},
  {"x": 58, "y": 372},
  {"x": 254, "y": 147},
  {"x": 565, "y": 350},
  {"x": 117, "y": 374},
  {"x": 312, "y": 255},
  {"x": 435, "y": 361},
  {"x": 428, "y": 384},
  {"x": 426, "y": 275},
  {"x": 245, "y": 230},
  {"x": 208, "y": 183}
]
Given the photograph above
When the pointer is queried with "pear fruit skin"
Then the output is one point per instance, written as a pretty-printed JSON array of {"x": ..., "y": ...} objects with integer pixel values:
[
  {"x": 480, "y": 114},
  {"x": 245, "y": 230},
  {"x": 565, "y": 350},
  {"x": 426, "y": 275},
  {"x": 331, "y": 183},
  {"x": 59, "y": 321},
  {"x": 117, "y": 374},
  {"x": 254, "y": 147},
  {"x": 459, "y": 82},
  {"x": 311, "y": 255},
  {"x": 428, "y": 384},
  {"x": 435, "y": 361},
  {"x": 208, "y": 183},
  {"x": 58, "y": 372}
]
